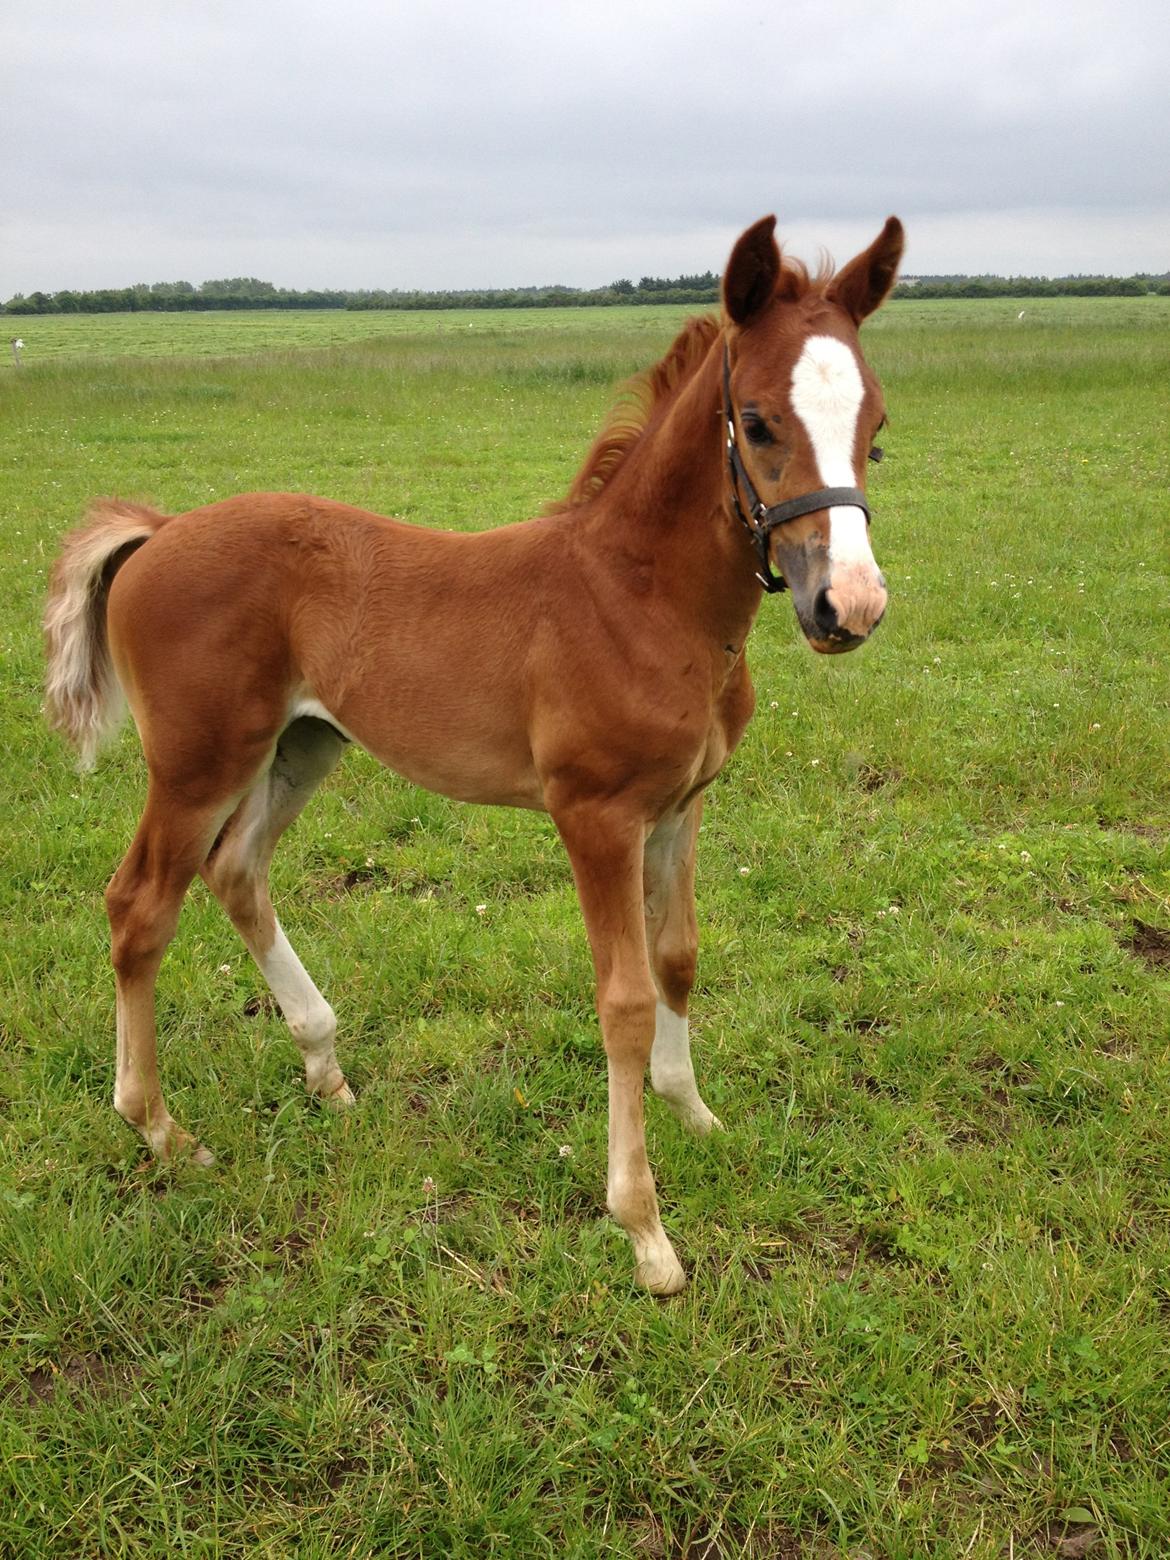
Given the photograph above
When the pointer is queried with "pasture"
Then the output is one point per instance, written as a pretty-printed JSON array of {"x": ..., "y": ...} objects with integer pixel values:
[{"x": 928, "y": 1307}]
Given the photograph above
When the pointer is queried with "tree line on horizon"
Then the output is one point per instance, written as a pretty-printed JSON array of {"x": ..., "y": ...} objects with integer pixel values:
[{"x": 248, "y": 292}]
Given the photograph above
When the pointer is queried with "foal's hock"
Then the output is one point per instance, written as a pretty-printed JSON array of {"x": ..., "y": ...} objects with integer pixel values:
[{"x": 602, "y": 675}]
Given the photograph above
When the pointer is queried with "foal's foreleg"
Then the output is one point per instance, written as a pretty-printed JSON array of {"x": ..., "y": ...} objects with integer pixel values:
[
  {"x": 606, "y": 853},
  {"x": 237, "y": 873},
  {"x": 673, "y": 938}
]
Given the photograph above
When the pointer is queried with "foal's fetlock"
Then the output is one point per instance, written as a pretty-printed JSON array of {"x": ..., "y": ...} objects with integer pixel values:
[
  {"x": 656, "y": 1267},
  {"x": 324, "y": 1078}
]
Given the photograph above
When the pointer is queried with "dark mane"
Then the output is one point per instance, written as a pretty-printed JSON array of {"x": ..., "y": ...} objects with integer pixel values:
[{"x": 636, "y": 403}]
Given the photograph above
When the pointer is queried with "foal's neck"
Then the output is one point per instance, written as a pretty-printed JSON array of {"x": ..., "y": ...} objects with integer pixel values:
[{"x": 671, "y": 507}]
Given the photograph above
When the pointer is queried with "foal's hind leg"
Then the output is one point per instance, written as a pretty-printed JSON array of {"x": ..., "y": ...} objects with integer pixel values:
[
  {"x": 672, "y": 936},
  {"x": 143, "y": 901},
  {"x": 237, "y": 873}
]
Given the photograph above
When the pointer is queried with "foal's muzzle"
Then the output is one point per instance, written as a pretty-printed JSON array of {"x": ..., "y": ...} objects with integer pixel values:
[{"x": 845, "y": 611}]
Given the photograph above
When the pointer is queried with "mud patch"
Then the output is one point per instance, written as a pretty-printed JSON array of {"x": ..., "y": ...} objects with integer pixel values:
[
  {"x": 871, "y": 778},
  {"x": 864, "y": 1025},
  {"x": 1149, "y": 944},
  {"x": 1144, "y": 831},
  {"x": 77, "y": 1373},
  {"x": 769, "y": 1541},
  {"x": 357, "y": 880}
]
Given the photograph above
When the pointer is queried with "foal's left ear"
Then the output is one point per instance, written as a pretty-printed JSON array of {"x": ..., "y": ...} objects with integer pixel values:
[
  {"x": 750, "y": 278},
  {"x": 865, "y": 282}
]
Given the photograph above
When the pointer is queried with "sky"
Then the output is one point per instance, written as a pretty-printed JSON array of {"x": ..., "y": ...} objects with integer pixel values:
[{"x": 407, "y": 143}]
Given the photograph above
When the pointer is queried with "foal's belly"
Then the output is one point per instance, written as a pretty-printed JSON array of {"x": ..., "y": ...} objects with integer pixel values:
[{"x": 458, "y": 758}]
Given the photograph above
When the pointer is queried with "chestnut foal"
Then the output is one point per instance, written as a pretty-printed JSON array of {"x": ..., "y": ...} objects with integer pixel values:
[{"x": 589, "y": 663}]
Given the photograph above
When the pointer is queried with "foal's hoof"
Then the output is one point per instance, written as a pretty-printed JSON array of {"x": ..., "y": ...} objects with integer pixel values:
[
  {"x": 658, "y": 1269},
  {"x": 694, "y": 1115},
  {"x": 173, "y": 1146},
  {"x": 703, "y": 1123},
  {"x": 341, "y": 1098}
]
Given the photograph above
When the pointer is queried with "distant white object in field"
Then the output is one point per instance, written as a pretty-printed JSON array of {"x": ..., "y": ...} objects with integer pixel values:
[
  {"x": 17, "y": 344},
  {"x": 1020, "y": 315}
]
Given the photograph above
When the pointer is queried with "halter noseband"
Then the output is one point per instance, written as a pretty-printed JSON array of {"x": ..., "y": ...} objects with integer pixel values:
[{"x": 760, "y": 519}]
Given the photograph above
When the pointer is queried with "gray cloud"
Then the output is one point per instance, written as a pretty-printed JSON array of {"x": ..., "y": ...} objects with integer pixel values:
[{"x": 454, "y": 145}]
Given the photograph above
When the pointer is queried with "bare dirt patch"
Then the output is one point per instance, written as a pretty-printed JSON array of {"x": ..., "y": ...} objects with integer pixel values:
[
  {"x": 1150, "y": 944},
  {"x": 88, "y": 1373}
]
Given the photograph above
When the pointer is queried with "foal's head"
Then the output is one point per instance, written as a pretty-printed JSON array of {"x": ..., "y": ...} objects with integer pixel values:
[{"x": 806, "y": 407}]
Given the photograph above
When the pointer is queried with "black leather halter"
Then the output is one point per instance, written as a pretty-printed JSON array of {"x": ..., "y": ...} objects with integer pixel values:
[{"x": 761, "y": 519}]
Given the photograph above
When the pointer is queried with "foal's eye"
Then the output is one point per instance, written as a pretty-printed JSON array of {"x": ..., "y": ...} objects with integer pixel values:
[{"x": 756, "y": 430}]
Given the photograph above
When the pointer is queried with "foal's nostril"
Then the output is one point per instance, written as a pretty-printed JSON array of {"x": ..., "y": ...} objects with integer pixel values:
[{"x": 824, "y": 615}]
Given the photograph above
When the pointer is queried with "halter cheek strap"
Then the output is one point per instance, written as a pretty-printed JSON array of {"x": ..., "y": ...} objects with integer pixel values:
[{"x": 760, "y": 519}]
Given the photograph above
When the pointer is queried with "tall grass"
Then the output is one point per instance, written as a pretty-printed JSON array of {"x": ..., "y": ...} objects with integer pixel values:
[{"x": 928, "y": 1308}]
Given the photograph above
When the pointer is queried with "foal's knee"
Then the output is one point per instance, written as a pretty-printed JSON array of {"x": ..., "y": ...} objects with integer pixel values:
[{"x": 626, "y": 1009}]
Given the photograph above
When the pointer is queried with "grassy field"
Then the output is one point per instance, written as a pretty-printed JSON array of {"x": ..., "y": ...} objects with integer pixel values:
[{"x": 929, "y": 1306}]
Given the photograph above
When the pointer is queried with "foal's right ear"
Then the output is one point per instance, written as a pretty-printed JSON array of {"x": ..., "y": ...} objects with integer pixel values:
[{"x": 750, "y": 278}]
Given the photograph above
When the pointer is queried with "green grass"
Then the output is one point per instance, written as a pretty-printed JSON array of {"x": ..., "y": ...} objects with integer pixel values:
[{"x": 929, "y": 1302}]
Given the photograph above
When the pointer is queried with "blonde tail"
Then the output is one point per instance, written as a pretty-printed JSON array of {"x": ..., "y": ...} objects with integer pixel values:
[{"x": 83, "y": 699}]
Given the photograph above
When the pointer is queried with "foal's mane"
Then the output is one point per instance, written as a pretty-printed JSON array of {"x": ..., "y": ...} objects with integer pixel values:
[
  {"x": 637, "y": 401},
  {"x": 642, "y": 396}
]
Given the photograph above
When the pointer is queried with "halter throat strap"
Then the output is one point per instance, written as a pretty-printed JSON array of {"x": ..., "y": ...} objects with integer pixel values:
[{"x": 760, "y": 519}]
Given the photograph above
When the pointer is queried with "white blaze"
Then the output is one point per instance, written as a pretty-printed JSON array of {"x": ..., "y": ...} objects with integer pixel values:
[{"x": 826, "y": 395}]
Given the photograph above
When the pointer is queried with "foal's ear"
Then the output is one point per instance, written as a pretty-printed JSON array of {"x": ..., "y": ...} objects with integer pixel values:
[
  {"x": 750, "y": 278},
  {"x": 865, "y": 282}
]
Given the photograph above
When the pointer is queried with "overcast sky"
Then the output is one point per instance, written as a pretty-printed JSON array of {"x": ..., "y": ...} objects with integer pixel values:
[{"x": 404, "y": 143}]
